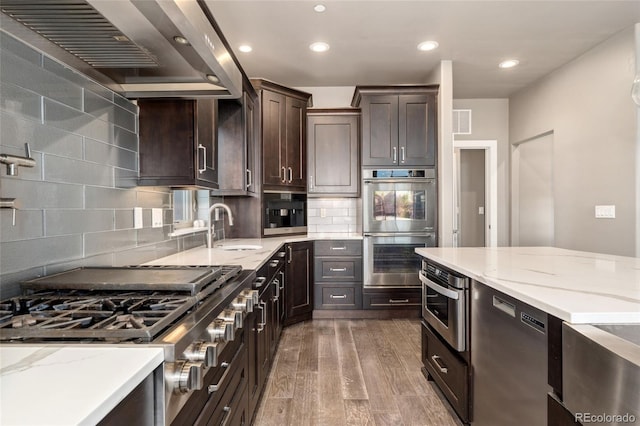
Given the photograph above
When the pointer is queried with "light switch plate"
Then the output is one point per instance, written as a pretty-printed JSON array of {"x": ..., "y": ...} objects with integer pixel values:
[
  {"x": 137, "y": 217},
  {"x": 606, "y": 212},
  {"x": 156, "y": 218}
]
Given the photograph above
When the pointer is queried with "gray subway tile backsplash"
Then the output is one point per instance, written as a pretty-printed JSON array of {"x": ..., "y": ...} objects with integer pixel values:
[
  {"x": 73, "y": 211},
  {"x": 334, "y": 215}
]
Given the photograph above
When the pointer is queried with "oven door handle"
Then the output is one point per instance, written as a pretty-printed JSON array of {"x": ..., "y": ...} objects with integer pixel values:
[
  {"x": 438, "y": 288},
  {"x": 428, "y": 234},
  {"x": 400, "y": 180}
]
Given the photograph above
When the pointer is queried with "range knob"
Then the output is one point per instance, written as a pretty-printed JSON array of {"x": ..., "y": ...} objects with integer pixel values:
[
  {"x": 253, "y": 294},
  {"x": 221, "y": 330},
  {"x": 232, "y": 316},
  {"x": 205, "y": 352},
  {"x": 242, "y": 303},
  {"x": 190, "y": 376}
]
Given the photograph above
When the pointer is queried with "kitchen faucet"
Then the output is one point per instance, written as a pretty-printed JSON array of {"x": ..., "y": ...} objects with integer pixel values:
[{"x": 210, "y": 227}]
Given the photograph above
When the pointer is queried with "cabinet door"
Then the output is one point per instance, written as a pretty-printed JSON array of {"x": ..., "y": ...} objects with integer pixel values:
[
  {"x": 167, "y": 135},
  {"x": 299, "y": 280},
  {"x": 380, "y": 130},
  {"x": 206, "y": 152},
  {"x": 296, "y": 143},
  {"x": 250, "y": 125},
  {"x": 273, "y": 138},
  {"x": 416, "y": 130},
  {"x": 333, "y": 163}
]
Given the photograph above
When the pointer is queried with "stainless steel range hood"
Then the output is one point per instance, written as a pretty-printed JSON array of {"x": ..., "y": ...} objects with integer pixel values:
[{"x": 139, "y": 48}]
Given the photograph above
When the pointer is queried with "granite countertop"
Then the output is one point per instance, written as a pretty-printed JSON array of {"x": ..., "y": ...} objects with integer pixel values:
[
  {"x": 248, "y": 259},
  {"x": 68, "y": 385},
  {"x": 578, "y": 287}
]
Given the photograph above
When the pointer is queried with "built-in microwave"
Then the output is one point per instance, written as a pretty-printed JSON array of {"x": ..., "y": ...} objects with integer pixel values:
[{"x": 284, "y": 213}]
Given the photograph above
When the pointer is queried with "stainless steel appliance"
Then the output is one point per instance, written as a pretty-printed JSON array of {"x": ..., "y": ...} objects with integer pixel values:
[
  {"x": 445, "y": 303},
  {"x": 601, "y": 372},
  {"x": 195, "y": 313},
  {"x": 446, "y": 345},
  {"x": 399, "y": 215},
  {"x": 510, "y": 359},
  {"x": 140, "y": 48},
  {"x": 284, "y": 213}
]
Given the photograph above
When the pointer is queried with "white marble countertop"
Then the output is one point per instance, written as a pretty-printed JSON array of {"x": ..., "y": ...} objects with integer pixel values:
[
  {"x": 68, "y": 385},
  {"x": 578, "y": 287},
  {"x": 248, "y": 259}
]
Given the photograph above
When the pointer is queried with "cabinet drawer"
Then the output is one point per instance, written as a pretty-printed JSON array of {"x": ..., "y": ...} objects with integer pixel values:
[
  {"x": 338, "y": 248},
  {"x": 342, "y": 296},
  {"x": 392, "y": 299},
  {"x": 448, "y": 370},
  {"x": 338, "y": 269}
]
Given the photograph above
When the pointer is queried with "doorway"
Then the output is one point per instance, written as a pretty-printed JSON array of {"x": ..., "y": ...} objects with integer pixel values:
[{"x": 476, "y": 193}]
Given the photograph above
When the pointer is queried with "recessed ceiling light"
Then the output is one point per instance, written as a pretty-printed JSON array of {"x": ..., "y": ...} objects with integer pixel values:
[
  {"x": 428, "y": 45},
  {"x": 319, "y": 8},
  {"x": 213, "y": 79},
  {"x": 509, "y": 63},
  {"x": 245, "y": 48},
  {"x": 319, "y": 46},
  {"x": 181, "y": 40}
]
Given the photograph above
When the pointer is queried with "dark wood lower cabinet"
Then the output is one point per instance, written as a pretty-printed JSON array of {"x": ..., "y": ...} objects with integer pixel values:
[
  {"x": 392, "y": 298},
  {"x": 299, "y": 282}
]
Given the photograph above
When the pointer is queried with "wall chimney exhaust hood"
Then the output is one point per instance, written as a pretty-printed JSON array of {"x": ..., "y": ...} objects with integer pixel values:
[{"x": 138, "y": 48}]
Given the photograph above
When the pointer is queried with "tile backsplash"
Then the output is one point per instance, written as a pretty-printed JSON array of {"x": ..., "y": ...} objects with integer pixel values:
[
  {"x": 74, "y": 208},
  {"x": 334, "y": 215}
]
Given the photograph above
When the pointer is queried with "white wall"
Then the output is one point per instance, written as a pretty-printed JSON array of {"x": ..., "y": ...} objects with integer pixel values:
[
  {"x": 588, "y": 107},
  {"x": 490, "y": 121}
]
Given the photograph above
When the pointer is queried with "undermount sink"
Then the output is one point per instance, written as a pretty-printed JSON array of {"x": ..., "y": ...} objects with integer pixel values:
[{"x": 239, "y": 247}]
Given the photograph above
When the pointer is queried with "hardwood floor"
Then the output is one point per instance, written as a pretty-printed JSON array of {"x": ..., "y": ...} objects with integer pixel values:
[{"x": 351, "y": 372}]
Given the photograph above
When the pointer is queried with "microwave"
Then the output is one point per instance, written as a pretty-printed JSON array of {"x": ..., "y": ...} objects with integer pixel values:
[{"x": 284, "y": 213}]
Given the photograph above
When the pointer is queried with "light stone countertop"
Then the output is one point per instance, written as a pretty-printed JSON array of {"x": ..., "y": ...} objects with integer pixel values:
[
  {"x": 248, "y": 259},
  {"x": 68, "y": 385},
  {"x": 578, "y": 287}
]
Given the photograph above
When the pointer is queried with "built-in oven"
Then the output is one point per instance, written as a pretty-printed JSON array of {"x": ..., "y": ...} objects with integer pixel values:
[
  {"x": 446, "y": 345},
  {"x": 390, "y": 259},
  {"x": 399, "y": 215},
  {"x": 399, "y": 200}
]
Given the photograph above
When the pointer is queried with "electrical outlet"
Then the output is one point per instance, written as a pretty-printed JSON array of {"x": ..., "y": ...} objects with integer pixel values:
[
  {"x": 480, "y": 210},
  {"x": 606, "y": 212},
  {"x": 156, "y": 218},
  {"x": 137, "y": 217}
]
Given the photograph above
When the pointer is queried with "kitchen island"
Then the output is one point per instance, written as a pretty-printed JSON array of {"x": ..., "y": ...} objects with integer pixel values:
[
  {"x": 574, "y": 286},
  {"x": 520, "y": 363}
]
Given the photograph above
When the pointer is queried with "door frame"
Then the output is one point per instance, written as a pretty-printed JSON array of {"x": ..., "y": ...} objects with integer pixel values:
[{"x": 491, "y": 187}]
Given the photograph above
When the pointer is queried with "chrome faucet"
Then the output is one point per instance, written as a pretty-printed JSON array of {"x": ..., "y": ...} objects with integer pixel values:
[{"x": 210, "y": 228}]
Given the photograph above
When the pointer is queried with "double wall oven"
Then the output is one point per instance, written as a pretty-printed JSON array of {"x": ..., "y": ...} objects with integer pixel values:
[{"x": 399, "y": 215}]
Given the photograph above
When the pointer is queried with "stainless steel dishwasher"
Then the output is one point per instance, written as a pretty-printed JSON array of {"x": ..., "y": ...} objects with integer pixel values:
[{"x": 509, "y": 359}]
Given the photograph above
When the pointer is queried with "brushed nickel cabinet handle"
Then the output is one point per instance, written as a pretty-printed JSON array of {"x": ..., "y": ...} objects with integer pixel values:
[
  {"x": 398, "y": 300},
  {"x": 249, "y": 179},
  {"x": 290, "y": 174},
  {"x": 284, "y": 174},
  {"x": 338, "y": 269},
  {"x": 395, "y": 154},
  {"x": 204, "y": 158},
  {"x": 338, "y": 296},
  {"x": 442, "y": 369}
]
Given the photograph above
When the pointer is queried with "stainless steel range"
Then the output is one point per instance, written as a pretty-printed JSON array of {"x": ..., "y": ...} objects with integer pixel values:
[{"x": 192, "y": 312}]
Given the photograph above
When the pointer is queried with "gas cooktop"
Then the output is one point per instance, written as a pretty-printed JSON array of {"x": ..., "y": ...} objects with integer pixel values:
[{"x": 109, "y": 304}]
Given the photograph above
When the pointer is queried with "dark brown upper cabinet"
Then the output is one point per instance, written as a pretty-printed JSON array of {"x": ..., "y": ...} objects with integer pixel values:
[
  {"x": 333, "y": 147},
  {"x": 178, "y": 143},
  {"x": 283, "y": 127},
  {"x": 237, "y": 155},
  {"x": 399, "y": 125}
]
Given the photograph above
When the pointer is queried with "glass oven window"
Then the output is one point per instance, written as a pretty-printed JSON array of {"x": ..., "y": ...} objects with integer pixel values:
[
  {"x": 399, "y": 205},
  {"x": 396, "y": 258},
  {"x": 438, "y": 305}
]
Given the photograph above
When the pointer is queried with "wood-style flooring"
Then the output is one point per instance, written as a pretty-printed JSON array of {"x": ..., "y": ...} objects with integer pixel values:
[{"x": 351, "y": 372}]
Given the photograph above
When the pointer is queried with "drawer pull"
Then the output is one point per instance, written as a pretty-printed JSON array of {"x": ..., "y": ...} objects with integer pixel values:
[
  {"x": 339, "y": 248},
  {"x": 214, "y": 388},
  {"x": 398, "y": 300},
  {"x": 259, "y": 281},
  {"x": 338, "y": 269},
  {"x": 227, "y": 411},
  {"x": 338, "y": 296},
  {"x": 442, "y": 369},
  {"x": 274, "y": 263}
]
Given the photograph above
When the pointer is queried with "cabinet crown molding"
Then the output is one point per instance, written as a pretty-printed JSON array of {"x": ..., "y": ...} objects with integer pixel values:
[
  {"x": 408, "y": 89},
  {"x": 260, "y": 84}
]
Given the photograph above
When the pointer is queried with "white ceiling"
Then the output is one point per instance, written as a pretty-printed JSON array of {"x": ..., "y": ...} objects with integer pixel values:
[{"x": 374, "y": 42}]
